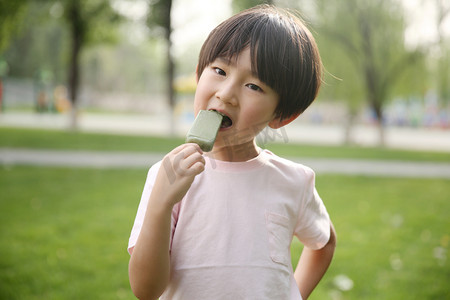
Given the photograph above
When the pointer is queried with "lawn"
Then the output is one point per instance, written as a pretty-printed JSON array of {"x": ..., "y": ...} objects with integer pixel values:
[
  {"x": 64, "y": 234},
  {"x": 55, "y": 139}
]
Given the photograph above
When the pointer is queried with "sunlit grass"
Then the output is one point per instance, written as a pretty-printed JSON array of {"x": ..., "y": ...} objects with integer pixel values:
[
  {"x": 64, "y": 234},
  {"x": 73, "y": 140},
  {"x": 55, "y": 139},
  {"x": 393, "y": 237}
]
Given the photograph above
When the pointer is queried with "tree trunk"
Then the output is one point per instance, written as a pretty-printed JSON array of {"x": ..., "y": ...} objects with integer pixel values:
[
  {"x": 376, "y": 106},
  {"x": 74, "y": 84},
  {"x": 170, "y": 79},
  {"x": 372, "y": 76},
  {"x": 1, "y": 95},
  {"x": 350, "y": 121},
  {"x": 381, "y": 135},
  {"x": 170, "y": 69},
  {"x": 74, "y": 15}
]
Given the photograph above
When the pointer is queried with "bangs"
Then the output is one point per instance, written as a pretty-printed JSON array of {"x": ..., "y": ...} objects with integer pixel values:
[
  {"x": 282, "y": 51},
  {"x": 229, "y": 39}
]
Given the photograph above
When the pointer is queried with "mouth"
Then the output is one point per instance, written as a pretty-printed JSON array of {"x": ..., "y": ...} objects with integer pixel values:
[{"x": 226, "y": 121}]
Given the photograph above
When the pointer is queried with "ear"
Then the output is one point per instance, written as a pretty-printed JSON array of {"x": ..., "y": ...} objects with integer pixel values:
[{"x": 278, "y": 123}]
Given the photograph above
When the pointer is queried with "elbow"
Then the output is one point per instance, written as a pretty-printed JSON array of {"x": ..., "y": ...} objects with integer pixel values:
[
  {"x": 332, "y": 242},
  {"x": 143, "y": 287},
  {"x": 144, "y": 295},
  {"x": 143, "y": 292}
]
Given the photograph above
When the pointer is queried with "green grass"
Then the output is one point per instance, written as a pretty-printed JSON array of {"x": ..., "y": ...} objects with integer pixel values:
[
  {"x": 56, "y": 139},
  {"x": 64, "y": 234},
  {"x": 393, "y": 237},
  {"x": 356, "y": 152},
  {"x": 53, "y": 139}
]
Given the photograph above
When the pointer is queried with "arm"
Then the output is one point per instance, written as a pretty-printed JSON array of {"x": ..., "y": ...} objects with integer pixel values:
[
  {"x": 149, "y": 266},
  {"x": 313, "y": 265}
]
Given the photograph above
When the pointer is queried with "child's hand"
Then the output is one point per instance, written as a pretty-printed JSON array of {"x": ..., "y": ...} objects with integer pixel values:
[{"x": 178, "y": 170}]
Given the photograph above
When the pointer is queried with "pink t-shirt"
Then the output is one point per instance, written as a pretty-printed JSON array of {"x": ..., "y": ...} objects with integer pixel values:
[{"x": 231, "y": 233}]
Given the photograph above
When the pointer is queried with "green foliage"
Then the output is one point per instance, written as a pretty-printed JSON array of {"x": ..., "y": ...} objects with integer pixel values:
[
  {"x": 11, "y": 15},
  {"x": 96, "y": 20},
  {"x": 42, "y": 45},
  {"x": 45, "y": 41},
  {"x": 159, "y": 15},
  {"x": 442, "y": 60},
  {"x": 159, "y": 18},
  {"x": 363, "y": 45},
  {"x": 137, "y": 71},
  {"x": 341, "y": 81}
]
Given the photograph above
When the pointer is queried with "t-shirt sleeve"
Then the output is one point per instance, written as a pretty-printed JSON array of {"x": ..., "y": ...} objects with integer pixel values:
[
  {"x": 151, "y": 177},
  {"x": 313, "y": 223}
]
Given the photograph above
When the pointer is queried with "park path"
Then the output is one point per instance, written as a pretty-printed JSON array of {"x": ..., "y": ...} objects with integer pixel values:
[
  {"x": 98, "y": 159},
  {"x": 419, "y": 139},
  {"x": 428, "y": 139}
]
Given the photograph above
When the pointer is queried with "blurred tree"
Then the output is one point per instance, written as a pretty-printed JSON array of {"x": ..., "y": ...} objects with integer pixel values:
[
  {"x": 370, "y": 34},
  {"x": 41, "y": 44},
  {"x": 443, "y": 44},
  {"x": 341, "y": 82},
  {"x": 159, "y": 21},
  {"x": 89, "y": 22},
  {"x": 239, "y": 5},
  {"x": 11, "y": 15}
]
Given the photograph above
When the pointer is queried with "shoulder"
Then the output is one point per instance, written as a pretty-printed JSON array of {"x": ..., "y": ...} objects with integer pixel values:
[{"x": 286, "y": 166}]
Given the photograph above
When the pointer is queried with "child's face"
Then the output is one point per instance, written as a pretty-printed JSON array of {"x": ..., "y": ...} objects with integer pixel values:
[{"x": 232, "y": 89}]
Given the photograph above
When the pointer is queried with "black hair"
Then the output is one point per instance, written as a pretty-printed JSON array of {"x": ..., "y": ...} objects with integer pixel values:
[{"x": 283, "y": 52}]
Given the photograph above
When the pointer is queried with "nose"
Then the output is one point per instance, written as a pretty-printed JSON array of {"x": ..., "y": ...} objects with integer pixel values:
[{"x": 227, "y": 93}]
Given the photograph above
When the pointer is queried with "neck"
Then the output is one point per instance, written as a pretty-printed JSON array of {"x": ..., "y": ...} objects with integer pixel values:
[{"x": 235, "y": 153}]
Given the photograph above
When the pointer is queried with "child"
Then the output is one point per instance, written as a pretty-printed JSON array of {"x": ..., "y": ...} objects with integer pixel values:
[{"x": 219, "y": 225}]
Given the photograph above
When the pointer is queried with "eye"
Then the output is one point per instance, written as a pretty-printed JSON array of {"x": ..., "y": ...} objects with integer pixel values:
[
  {"x": 219, "y": 71},
  {"x": 254, "y": 87}
]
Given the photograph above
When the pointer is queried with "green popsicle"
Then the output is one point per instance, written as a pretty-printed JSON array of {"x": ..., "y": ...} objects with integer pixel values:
[{"x": 204, "y": 130}]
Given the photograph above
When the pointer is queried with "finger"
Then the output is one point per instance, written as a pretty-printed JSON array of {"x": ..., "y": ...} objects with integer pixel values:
[
  {"x": 178, "y": 149},
  {"x": 184, "y": 166},
  {"x": 195, "y": 146},
  {"x": 193, "y": 159},
  {"x": 185, "y": 163},
  {"x": 197, "y": 168},
  {"x": 187, "y": 149}
]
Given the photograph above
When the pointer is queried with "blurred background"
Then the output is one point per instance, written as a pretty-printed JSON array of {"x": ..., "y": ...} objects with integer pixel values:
[
  {"x": 387, "y": 65},
  {"x": 93, "y": 92}
]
